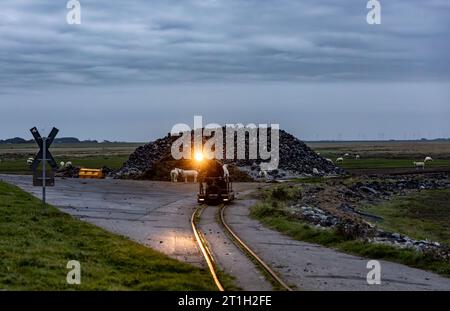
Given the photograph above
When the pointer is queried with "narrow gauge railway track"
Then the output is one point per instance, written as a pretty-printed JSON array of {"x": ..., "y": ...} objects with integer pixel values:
[{"x": 207, "y": 253}]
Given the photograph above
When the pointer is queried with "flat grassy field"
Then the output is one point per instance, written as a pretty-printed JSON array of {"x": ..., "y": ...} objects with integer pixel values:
[
  {"x": 386, "y": 156},
  {"x": 271, "y": 211},
  {"x": 36, "y": 245},
  {"x": 113, "y": 155},
  {"x": 411, "y": 150},
  {"x": 424, "y": 215},
  {"x": 376, "y": 156},
  {"x": 19, "y": 165}
]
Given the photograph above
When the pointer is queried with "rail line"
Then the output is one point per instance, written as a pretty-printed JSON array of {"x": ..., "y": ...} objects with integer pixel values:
[
  {"x": 241, "y": 245},
  {"x": 207, "y": 254},
  {"x": 204, "y": 248}
]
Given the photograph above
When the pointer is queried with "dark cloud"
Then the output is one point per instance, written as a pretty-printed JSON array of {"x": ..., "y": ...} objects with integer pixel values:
[
  {"x": 138, "y": 66},
  {"x": 221, "y": 40}
]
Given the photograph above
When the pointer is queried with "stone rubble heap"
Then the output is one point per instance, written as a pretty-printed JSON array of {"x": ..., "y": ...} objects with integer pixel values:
[
  {"x": 436, "y": 249},
  {"x": 144, "y": 158},
  {"x": 295, "y": 159},
  {"x": 387, "y": 188}
]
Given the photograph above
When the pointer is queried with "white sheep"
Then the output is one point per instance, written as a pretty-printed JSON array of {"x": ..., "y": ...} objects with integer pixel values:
[
  {"x": 189, "y": 173},
  {"x": 263, "y": 174},
  {"x": 357, "y": 157},
  {"x": 346, "y": 155},
  {"x": 30, "y": 161},
  {"x": 419, "y": 165},
  {"x": 226, "y": 173},
  {"x": 174, "y": 174},
  {"x": 428, "y": 159},
  {"x": 315, "y": 171},
  {"x": 62, "y": 164},
  {"x": 340, "y": 160},
  {"x": 329, "y": 160},
  {"x": 68, "y": 164}
]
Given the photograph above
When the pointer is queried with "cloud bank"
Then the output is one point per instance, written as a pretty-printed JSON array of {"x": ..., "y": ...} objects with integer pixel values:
[{"x": 139, "y": 41}]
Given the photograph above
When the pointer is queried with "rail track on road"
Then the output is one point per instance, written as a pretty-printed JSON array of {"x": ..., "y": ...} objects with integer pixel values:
[{"x": 208, "y": 255}]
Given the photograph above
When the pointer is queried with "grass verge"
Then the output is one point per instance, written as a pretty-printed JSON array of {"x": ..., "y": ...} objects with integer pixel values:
[
  {"x": 19, "y": 165},
  {"x": 424, "y": 215},
  {"x": 36, "y": 245},
  {"x": 271, "y": 211}
]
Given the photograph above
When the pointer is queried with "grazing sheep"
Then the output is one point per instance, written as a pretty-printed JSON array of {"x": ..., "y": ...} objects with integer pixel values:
[
  {"x": 346, "y": 155},
  {"x": 62, "y": 164},
  {"x": 315, "y": 171},
  {"x": 318, "y": 153},
  {"x": 419, "y": 165},
  {"x": 68, "y": 164},
  {"x": 357, "y": 157},
  {"x": 174, "y": 174},
  {"x": 329, "y": 160},
  {"x": 226, "y": 173},
  {"x": 262, "y": 174},
  {"x": 30, "y": 161},
  {"x": 189, "y": 173},
  {"x": 340, "y": 160},
  {"x": 428, "y": 159}
]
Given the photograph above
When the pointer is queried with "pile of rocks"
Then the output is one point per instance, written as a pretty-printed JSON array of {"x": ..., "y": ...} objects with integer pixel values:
[
  {"x": 144, "y": 158},
  {"x": 395, "y": 186},
  {"x": 316, "y": 216},
  {"x": 347, "y": 226},
  {"x": 434, "y": 249},
  {"x": 295, "y": 159}
]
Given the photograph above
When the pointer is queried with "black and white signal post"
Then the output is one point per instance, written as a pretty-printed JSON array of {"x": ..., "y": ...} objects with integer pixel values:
[{"x": 45, "y": 179}]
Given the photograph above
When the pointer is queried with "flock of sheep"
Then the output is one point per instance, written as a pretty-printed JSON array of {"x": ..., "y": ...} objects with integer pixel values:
[
  {"x": 178, "y": 172},
  {"x": 61, "y": 164},
  {"x": 422, "y": 164},
  {"x": 417, "y": 165},
  {"x": 341, "y": 159},
  {"x": 193, "y": 174}
]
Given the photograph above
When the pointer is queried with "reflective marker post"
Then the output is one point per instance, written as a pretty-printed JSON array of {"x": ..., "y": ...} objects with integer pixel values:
[{"x": 44, "y": 173}]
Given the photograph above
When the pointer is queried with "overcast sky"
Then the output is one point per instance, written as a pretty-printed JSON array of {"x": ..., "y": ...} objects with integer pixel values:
[{"x": 134, "y": 68}]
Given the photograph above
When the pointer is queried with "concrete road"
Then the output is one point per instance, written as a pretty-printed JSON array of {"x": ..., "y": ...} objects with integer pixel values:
[
  {"x": 313, "y": 267},
  {"x": 156, "y": 214}
]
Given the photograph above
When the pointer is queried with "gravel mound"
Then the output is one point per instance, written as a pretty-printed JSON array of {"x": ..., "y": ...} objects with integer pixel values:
[{"x": 154, "y": 160}]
